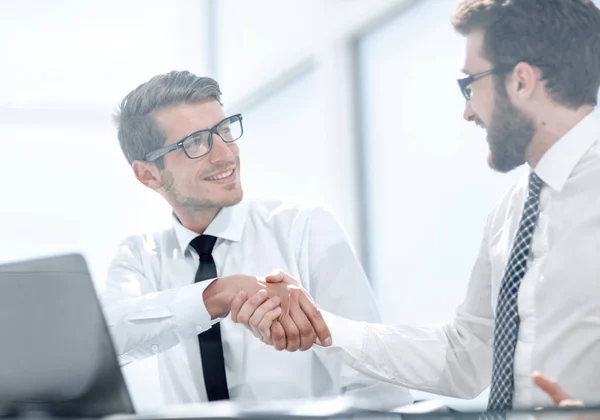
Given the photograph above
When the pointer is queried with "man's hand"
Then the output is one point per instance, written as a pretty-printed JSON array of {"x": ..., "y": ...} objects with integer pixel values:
[
  {"x": 560, "y": 397},
  {"x": 295, "y": 325},
  {"x": 221, "y": 292}
]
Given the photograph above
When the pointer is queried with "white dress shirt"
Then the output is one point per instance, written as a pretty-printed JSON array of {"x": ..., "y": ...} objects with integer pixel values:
[
  {"x": 153, "y": 307},
  {"x": 559, "y": 296}
]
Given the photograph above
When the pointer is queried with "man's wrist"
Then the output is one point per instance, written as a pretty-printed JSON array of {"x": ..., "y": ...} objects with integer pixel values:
[
  {"x": 218, "y": 297},
  {"x": 221, "y": 292}
]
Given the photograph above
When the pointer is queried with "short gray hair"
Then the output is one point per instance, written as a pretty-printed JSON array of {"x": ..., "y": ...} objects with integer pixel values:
[{"x": 138, "y": 131}]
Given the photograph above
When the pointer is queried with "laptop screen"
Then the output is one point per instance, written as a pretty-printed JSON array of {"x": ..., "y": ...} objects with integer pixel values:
[{"x": 56, "y": 355}]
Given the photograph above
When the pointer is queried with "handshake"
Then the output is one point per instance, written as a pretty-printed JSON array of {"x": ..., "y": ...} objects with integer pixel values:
[{"x": 279, "y": 312}]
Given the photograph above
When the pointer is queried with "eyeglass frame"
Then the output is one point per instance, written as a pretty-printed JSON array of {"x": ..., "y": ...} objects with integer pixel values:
[
  {"x": 158, "y": 153},
  {"x": 465, "y": 82}
]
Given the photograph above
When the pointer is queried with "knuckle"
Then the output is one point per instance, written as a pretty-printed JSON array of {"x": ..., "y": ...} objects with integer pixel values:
[
  {"x": 263, "y": 330},
  {"x": 253, "y": 323},
  {"x": 266, "y": 326},
  {"x": 272, "y": 304},
  {"x": 281, "y": 342},
  {"x": 243, "y": 319},
  {"x": 305, "y": 330},
  {"x": 256, "y": 299},
  {"x": 272, "y": 316},
  {"x": 294, "y": 335},
  {"x": 316, "y": 313},
  {"x": 277, "y": 334},
  {"x": 305, "y": 346},
  {"x": 321, "y": 328}
]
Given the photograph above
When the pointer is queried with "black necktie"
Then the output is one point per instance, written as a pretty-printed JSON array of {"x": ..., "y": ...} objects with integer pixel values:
[{"x": 211, "y": 347}]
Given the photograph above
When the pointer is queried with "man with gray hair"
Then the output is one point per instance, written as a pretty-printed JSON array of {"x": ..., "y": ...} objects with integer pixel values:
[{"x": 168, "y": 292}]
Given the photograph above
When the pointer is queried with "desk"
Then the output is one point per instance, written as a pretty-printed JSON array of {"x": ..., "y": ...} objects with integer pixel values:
[{"x": 334, "y": 411}]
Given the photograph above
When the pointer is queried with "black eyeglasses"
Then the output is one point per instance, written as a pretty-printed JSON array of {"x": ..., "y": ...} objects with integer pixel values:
[
  {"x": 200, "y": 143},
  {"x": 464, "y": 83}
]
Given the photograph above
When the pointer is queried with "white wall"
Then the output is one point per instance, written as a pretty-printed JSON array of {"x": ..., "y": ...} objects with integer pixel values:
[
  {"x": 66, "y": 185},
  {"x": 66, "y": 67}
]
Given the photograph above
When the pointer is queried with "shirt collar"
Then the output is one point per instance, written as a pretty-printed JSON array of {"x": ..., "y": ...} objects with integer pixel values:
[
  {"x": 228, "y": 224},
  {"x": 556, "y": 165}
]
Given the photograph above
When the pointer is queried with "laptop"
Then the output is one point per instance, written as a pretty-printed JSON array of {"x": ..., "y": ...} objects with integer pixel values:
[{"x": 56, "y": 354}]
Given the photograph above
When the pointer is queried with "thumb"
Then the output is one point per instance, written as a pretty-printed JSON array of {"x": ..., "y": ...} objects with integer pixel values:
[{"x": 275, "y": 277}]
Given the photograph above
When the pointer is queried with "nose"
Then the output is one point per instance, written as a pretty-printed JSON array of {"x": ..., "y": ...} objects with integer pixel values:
[
  {"x": 221, "y": 151},
  {"x": 469, "y": 114}
]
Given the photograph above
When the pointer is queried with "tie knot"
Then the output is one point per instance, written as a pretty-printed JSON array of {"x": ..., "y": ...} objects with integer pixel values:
[
  {"x": 535, "y": 184},
  {"x": 203, "y": 244}
]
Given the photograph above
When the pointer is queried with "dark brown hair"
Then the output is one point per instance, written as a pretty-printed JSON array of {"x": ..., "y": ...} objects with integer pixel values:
[{"x": 560, "y": 37}]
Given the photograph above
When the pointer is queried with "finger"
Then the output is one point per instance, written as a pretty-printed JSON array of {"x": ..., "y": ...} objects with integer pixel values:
[
  {"x": 278, "y": 336},
  {"x": 316, "y": 319},
  {"x": 305, "y": 329},
  {"x": 551, "y": 387},
  {"x": 292, "y": 334},
  {"x": 264, "y": 327},
  {"x": 237, "y": 304},
  {"x": 251, "y": 306},
  {"x": 260, "y": 312}
]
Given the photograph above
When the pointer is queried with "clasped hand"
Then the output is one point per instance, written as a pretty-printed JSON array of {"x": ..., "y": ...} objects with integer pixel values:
[{"x": 282, "y": 315}]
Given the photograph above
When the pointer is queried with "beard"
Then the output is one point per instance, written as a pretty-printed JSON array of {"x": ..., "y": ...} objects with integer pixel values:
[
  {"x": 191, "y": 204},
  {"x": 509, "y": 134}
]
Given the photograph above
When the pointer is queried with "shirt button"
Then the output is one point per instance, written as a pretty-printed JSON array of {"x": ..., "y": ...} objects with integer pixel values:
[
  {"x": 198, "y": 328},
  {"x": 155, "y": 348}
]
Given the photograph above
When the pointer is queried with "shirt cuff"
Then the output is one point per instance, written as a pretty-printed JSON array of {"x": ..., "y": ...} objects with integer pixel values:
[
  {"x": 189, "y": 310},
  {"x": 348, "y": 336}
]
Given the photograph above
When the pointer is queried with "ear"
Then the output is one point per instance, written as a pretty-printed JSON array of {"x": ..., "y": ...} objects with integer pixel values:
[
  {"x": 525, "y": 80},
  {"x": 147, "y": 173}
]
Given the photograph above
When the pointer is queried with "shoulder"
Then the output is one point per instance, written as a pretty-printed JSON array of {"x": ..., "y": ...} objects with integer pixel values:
[
  {"x": 589, "y": 165},
  {"x": 148, "y": 244},
  {"x": 286, "y": 211}
]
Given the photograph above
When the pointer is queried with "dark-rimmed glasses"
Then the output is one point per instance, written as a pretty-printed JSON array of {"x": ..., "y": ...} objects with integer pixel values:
[
  {"x": 199, "y": 143},
  {"x": 464, "y": 83}
]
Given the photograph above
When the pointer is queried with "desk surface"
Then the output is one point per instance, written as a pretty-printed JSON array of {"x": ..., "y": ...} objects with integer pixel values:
[{"x": 334, "y": 408}]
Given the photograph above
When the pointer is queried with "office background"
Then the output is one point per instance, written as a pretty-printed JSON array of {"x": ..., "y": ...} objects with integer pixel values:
[{"x": 352, "y": 104}]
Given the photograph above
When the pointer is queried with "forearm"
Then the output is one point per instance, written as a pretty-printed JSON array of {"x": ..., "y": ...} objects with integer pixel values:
[
  {"x": 439, "y": 359},
  {"x": 144, "y": 325}
]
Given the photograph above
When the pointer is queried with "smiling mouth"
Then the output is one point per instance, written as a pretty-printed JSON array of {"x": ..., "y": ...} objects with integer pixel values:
[{"x": 221, "y": 176}]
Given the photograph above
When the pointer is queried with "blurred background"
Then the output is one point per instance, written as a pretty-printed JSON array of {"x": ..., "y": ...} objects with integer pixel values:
[{"x": 352, "y": 104}]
